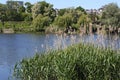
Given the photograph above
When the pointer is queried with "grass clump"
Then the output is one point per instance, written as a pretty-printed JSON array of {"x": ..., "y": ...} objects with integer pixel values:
[{"x": 77, "y": 62}]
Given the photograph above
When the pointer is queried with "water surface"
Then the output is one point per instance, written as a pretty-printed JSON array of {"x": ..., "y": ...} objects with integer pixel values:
[{"x": 15, "y": 47}]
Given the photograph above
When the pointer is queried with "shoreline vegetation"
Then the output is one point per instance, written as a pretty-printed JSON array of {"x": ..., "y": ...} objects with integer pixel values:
[
  {"x": 43, "y": 17},
  {"x": 76, "y": 62},
  {"x": 25, "y": 27}
]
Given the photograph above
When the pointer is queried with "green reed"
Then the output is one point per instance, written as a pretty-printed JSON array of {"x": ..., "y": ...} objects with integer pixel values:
[{"x": 77, "y": 62}]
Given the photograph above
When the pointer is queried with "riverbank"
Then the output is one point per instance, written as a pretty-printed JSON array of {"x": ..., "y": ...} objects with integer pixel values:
[
  {"x": 77, "y": 62},
  {"x": 27, "y": 27},
  {"x": 17, "y": 27}
]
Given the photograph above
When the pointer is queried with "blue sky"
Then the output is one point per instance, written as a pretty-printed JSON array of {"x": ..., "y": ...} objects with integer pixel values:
[{"x": 87, "y": 4}]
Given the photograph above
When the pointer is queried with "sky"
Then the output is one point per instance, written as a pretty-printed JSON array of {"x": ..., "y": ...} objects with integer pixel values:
[{"x": 87, "y": 4}]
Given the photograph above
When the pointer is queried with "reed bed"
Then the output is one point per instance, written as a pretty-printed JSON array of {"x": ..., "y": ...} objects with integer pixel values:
[{"x": 76, "y": 62}]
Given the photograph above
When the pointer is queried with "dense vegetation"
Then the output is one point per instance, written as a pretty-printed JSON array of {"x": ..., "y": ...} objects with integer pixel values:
[
  {"x": 43, "y": 16},
  {"x": 77, "y": 62}
]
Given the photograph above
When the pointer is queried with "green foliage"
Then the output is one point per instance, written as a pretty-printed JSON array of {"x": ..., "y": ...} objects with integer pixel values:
[
  {"x": 81, "y": 9},
  {"x": 13, "y": 15},
  {"x": 83, "y": 20},
  {"x": 40, "y": 22},
  {"x": 12, "y": 12},
  {"x": 27, "y": 16},
  {"x": 62, "y": 18},
  {"x": 42, "y": 8},
  {"x": 21, "y": 26},
  {"x": 28, "y": 7},
  {"x": 110, "y": 15},
  {"x": 64, "y": 21},
  {"x": 21, "y": 9},
  {"x": 43, "y": 15},
  {"x": 3, "y": 9},
  {"x": 94, "y": 17},
  {"x": 78, "y": 62},
  {"x": 61, "y": 12},
  {"x": 73, "y": 18}
]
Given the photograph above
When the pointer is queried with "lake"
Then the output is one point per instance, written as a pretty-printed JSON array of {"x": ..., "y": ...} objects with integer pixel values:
[{"x": 15, "y": 47}]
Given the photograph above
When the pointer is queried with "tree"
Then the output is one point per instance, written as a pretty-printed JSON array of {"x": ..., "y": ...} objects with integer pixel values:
[
  {"x": 118, "y": 17},
  {"x": 28, "y": 7},
  {"x": 41, "y": 22},
  {"x": 94, "y": 16},
  {"x": 45, "y": 10},
  {"x": 21, "y": 9},
  {"x": 110, "y": 15},
  {"x": 42, "y": 8},
  {"x": 64, "y": 21},
  {"x": 27, "y": 16},
  {"x": 61, "y": 12},
  {"x": 80, "y": 9},
  {"x": 14, "y": 11},
  {"x": 3, "y": 17},
  {"x": 83, "y": 20},
  {"x": 13, "y": 15}
]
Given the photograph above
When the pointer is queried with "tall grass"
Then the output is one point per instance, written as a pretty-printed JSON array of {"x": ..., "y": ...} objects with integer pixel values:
[{"x": 77, "y": 62}]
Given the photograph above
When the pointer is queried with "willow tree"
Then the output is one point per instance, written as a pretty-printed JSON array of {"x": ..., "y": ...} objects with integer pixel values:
[
  {"x": 64, "y": 21},
  {"x": 84, "y": 21},
  {"x": 40, "y": 22}
]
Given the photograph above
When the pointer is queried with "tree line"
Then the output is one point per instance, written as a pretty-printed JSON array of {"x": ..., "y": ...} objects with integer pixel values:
[{"x": 42, "y": 15}]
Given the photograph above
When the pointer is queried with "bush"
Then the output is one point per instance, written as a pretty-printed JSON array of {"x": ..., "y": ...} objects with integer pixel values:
[
  {"x": 78, "y": 62},
  {"x": 21, "y": 26}
]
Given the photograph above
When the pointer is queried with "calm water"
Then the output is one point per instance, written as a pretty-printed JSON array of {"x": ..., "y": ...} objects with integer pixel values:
[{"x": 15, "y": 47}]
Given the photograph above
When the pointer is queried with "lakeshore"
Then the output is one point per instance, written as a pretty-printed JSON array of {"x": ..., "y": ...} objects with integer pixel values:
[
  {"x": 25, "y": 27},
  {"x": 40, "y": 42}
]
